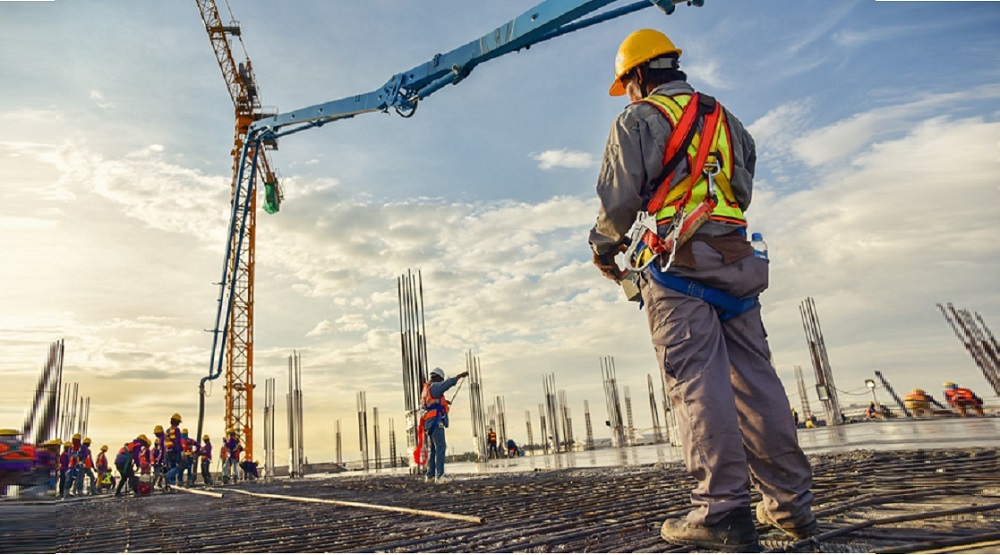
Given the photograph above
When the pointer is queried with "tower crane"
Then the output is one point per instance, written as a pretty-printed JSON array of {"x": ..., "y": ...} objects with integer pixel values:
[{"x": 242, "y": 85}]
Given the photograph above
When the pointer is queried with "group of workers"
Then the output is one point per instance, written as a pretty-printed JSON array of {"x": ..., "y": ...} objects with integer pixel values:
[
  {"x": 962, "y": 399},
  {"x": 169, "y": 459}
]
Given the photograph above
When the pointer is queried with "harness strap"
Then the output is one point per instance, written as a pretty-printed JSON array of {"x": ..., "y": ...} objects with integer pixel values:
[
  {"x": 677, "y": 146},
  {"x": 727, "y": 305}
]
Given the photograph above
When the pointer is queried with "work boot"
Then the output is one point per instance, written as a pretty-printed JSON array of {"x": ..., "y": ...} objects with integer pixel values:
[
  {"x": 796, "y": 532},
  {"x": 734, "y": 533}
]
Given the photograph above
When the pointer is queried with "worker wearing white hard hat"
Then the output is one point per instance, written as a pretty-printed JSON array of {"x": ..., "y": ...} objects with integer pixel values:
[{"x": 435, "y": 420}]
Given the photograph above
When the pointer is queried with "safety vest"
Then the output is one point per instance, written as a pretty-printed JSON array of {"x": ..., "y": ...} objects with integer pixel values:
[
  {"x": 173, "y": 441},
  {"x": 433, "y": 406},
  {"x": 102, "y": 462},
  {"x": 492, "y": 436},
  {"x": 726, "y": 208},
  {"x": 960, "y": 395}
]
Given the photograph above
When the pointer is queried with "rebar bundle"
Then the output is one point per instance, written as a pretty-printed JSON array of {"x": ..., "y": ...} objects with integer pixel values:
[
  {"x": 628, "y": 414},
  {"x": 613, "y": 402},
  {"x": 339, "y": 444},
  {"x": 670, "y": 418},
  {"x": 803, "y": 396},
  {"x": 296, "y": 449},
  {"x": 42, "y": 421},
  {"x": 501, "y": 421},
  {"x": 825, "y": 387},
  {"x": 543, "y": 429},
  {"x": 552, "y": 411},
  {"x": 412, "y": 337},
  {"x": 527, "y": 424},
  {"x": 657, "y": 433},
  {"x": 378, "y": 440},
  {"x": 892, "y": 393},
  {"x": 392, "y": 444},
  {"x": 567, "y": 421},
  {"x": 590, "y": 427},
  {"x": 269, "y": 414},
  {"x": 476, "y": 405},
  {"x": 363, "y": 429},
  {"x": 978, "y": 340}
]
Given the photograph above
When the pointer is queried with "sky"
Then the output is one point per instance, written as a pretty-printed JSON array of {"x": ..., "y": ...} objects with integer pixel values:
[{"x": 878, "y": 136}]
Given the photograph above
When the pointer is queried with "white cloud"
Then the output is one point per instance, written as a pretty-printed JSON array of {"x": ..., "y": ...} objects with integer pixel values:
[
  {"x": 561, "y": 158},
  {"x": 323, "y": 328},
  {"x": 99, "y": 99}
]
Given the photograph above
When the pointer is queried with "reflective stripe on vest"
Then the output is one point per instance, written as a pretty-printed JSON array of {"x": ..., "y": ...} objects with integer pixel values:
[
  {"x": 726, "y": 208},
  {"x": 433, "y": 405}
]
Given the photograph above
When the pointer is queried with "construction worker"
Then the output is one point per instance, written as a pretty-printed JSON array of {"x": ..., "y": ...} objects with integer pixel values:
[
  {"x": 206, "y": 459},
  {"x": 494, "y": 450},
  {"x": 918, "y": 402},
  {"x": 711, "y": 343},
  {"x": 160, "y": 457},
  {"x": 435, "y": 420},
  {"x": 64, "y": 459},
  {"x": 174, "y": 450},
  {"x": 872, "y": 412},
  {"x": 512, "y": 450},
  {"x": 125, "y": 461},
  {"x": 103, "y": 467},
  {"x": 963, "y": 399},
  {"x": 230, "y": 455},
  {"x": 74, "y": 464},
  {"x": 85, "y": 467},
  {"x": 188, "y": 449}
]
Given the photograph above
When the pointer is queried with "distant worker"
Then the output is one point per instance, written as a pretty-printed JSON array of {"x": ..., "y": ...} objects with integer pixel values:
[
  {"x": 230, "y": 455},
  {"x": 174, "y": 448},
  {"x": 64, "y": 459},
  {"x": 435, "y": 420},
  {"x": 494, "y": 450},
  {"x": 85, "y": 468},
  {"x": 159, "y": 458},
  {"x": 795, "y": 417},
  {"x": 703, "y": 312},
  {"x": 103, "y": 468},
  {"x": 206, "y": 460},
  {"x": 188, "y": 449},
  {"x": 963, "y": 399},
  {"x": 512, "y": 450},
  {"x": 918, "y": 402},
  {"x": 126, "y": 461},
  {"x": 872, "y": 412},
  {"x": 249, "y": 469}
]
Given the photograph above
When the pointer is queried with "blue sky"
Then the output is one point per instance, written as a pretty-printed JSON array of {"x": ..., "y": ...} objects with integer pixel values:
[{"x": 878, "y": 142}]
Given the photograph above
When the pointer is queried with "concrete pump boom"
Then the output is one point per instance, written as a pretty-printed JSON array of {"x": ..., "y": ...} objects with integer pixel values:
[{"x": 402, "y": 92}]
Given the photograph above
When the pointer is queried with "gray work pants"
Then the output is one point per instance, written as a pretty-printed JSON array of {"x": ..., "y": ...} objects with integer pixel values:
[{"x": 732, "y": 410}]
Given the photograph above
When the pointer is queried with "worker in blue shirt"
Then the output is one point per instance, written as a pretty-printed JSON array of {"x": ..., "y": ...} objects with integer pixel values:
[{"x": 435, "y": 420}]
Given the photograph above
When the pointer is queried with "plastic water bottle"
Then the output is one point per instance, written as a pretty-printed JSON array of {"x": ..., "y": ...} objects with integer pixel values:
[{"x": 759, "y": 246}]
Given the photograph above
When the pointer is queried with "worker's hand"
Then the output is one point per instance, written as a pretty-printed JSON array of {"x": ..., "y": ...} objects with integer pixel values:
[
  {"x": 607, "y": 265},
  {"x": 462, "y": 375}
]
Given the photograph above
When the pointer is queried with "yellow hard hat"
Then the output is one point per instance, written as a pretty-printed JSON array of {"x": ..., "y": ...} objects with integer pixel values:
[
  {"x": 87, "y": 441},
  {"x": 205, "y": 438},
  {"x": 948, "y": 384},
  {"x": 176, "y": 417},
  {"x": 52, "y": 442},
  {"x": 184, "y": 431},
  {"x": 67, "y": 445},
  {"x": 143, "y": 438},
  {"x": 9, "y": 432},
  {"x": 158, "y": 429},
  {"x": 638, "y": 48},
  {"x": 919, "y": 391},
  {"x": 104, "y": 448},
  {"x": 76, "y": 436}
]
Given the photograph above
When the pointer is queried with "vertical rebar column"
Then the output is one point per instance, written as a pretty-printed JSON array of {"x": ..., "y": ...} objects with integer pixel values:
[
  {"x": 542, "y": 429},
  {"x": 296, "y": 450},
  {"x": 412, "y": 333},
  {"x": 892, "y": 393},
  {"x": 340, "y": 445},
  {"x": 613, "y": 401},
  {"x": 268, "y": 428},
  {"x": 378, "y": 440},
  {"x": 552, "y": 410},
  {"x": 670, "y": 418},
  {"x": 628, "y": 414},
  {"x": 478, "y": 413},
  {"x": 803, "y": 393},
  {"x": 85, "y": 418},
  {"x": 501, "y": 424},
  {"x": 825, "y": 386},
  {"x": 363, "y": 429},
  {"x": 657, "y": 434},
  {"x": 978, "y": 340},
  {"x": 567, "y": 421},
  {"x": 42, "y": 421},
  {"x": 392, "y": 444},
  {"x": 527, "y": 426},
  {"x": 590, "y": 427}
]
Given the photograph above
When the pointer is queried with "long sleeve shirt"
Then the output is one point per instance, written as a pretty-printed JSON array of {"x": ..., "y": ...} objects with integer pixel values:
[{"x": 633, "y": 160}]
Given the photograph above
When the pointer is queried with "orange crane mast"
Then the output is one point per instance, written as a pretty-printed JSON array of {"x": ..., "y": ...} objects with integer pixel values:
[{"x": 242, "y": 85}]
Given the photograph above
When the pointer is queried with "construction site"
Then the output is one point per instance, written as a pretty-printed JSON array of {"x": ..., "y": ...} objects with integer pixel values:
[{"x": 563, "y": 470}]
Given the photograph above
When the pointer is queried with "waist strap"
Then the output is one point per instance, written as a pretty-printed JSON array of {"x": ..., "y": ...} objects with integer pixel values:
[{"x": 727, "y": 305}]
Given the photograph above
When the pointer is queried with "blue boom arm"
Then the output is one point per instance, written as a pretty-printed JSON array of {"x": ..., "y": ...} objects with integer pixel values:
[{"x": 402, "y": 92}]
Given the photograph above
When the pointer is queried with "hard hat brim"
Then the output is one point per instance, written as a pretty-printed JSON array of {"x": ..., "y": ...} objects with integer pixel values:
[{"x": 617, "y": 88}]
